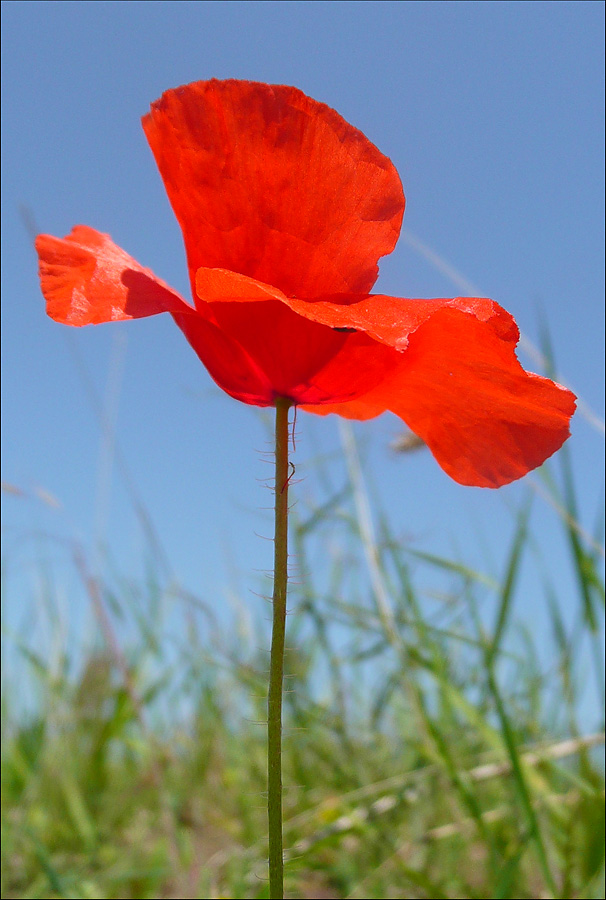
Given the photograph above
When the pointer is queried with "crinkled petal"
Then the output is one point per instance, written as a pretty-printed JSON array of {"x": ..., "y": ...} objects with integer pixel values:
[
  {"x": 87, "y": 279},
  {"x": 300, "y": 344},
  {"x": 269, "y": 183},
  {"x": 459, "y": 386},
  {"x": 391, "y": 320}
]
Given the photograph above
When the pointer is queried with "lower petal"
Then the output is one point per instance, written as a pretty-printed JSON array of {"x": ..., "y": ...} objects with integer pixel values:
[
  {"x": 230, "y": 366},
  {"x": 260, "y": 350},
  {"x": 306, "y": 350}
]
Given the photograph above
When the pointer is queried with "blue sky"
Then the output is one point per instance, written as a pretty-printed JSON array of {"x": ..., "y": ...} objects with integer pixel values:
[{"x": 492, "y": 114}]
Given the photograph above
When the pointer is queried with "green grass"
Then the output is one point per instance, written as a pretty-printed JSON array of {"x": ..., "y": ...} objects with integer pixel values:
[{"x": 428, "y": 750}]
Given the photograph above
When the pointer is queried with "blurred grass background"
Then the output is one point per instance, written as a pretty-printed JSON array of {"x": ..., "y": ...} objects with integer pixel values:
[{"x": 430, "y": 749}]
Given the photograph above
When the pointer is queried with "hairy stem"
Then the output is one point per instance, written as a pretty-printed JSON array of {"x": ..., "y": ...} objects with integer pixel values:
[{"x": 276, "y": 665}]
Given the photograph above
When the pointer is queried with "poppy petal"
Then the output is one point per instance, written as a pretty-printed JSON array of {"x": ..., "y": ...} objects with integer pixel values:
[
  {"x": 322, "y": 367},
  {"x": 87, "y": 279},
  {"x": 459, "y": 386},
  {"x": 230, "y": 366},
  {"x": 391, "y": 320},
  {"x": 300, "y": 357},
  {"x": 222, "y": 285},
  {"x": 269, "y": 183}
]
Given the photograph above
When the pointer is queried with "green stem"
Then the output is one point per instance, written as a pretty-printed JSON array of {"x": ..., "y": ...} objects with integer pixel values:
[{"x": 276, "y": 664}]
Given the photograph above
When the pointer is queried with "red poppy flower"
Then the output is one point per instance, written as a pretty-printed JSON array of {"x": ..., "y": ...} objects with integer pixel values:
[{"x": 285, "y": 210}]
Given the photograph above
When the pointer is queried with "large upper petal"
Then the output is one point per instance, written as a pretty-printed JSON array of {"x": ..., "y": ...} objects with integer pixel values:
[
  {"x": 86, "y": 279},
  {"x": 269, "y": 183},
  {"x": 458, "y": 385}
]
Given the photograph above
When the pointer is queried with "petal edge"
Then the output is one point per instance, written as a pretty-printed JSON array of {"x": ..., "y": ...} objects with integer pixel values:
[
  {"x": 86, "y": 279},
  {"x": 460, "y": 387}
]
